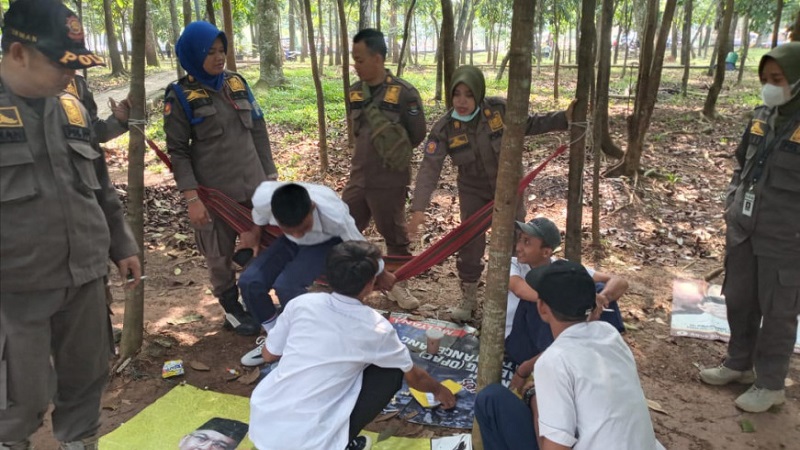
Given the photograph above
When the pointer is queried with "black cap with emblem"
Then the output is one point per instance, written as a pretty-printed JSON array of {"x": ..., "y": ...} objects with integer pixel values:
[{"x": 51, "y": 28}]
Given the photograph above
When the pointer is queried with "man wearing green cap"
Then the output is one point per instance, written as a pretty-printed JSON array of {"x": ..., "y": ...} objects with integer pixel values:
[
  {"x": 470, "y": 134},
  {"x": 60, "y": 220},
  {"x": 762, "y": 261}
]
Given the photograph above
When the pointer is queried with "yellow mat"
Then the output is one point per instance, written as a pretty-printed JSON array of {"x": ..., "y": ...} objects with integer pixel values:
[{"x": 162, "y": 425}]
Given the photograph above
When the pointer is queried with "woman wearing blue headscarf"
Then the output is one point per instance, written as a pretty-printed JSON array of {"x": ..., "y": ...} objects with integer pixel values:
[{"x": 217, "y": 138}]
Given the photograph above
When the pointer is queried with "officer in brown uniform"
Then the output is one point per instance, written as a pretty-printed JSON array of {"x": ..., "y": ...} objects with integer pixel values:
[
  {"x": 60, "y": 219},
  {"x": 104, "y": 129},
  {"x": 762, "y": 261},
  {"x": 470, "y": 134},
  {"x": 217, "y": 138},
  {"x": 376, "y": 189}
]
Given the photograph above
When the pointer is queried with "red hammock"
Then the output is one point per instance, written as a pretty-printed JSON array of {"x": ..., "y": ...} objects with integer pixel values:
[{"x": 240, "y": 219}]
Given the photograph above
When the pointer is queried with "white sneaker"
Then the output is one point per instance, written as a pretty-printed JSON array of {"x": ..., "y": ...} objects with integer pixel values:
[
  {"x": 253, "y": 357},
  {"x": 757, "y": 400}
]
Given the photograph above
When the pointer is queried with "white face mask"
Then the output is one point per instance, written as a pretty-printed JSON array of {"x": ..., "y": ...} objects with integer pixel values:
[{"x": 773, "y": 95}]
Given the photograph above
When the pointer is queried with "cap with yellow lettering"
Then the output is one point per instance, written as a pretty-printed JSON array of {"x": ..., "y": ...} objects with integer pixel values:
[{"x": 51, "y": 28}]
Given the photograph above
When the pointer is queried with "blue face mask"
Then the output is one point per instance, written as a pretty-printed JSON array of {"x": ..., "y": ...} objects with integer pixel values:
[{"x": 457, "y": 116}]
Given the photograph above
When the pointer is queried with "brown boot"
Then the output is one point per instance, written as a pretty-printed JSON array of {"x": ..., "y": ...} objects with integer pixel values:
[
  {"x": 469, "y": 302},
  {"x": 400, "y": 295}
]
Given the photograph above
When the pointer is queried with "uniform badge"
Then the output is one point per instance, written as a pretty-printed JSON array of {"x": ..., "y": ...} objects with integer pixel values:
[
  {"x": 356, "y": 96},
  {"x": 392, "y": 94},
  {"x": 74, "y": 29},
  {"x": 196, "y": 94},
  {"x": 413, "y": 108},
  {"x": 235, "y": 84},
  {"x": 72, "y": 88},
  {"x": 9, "y": 117},
  {"x": 496, "y": 122},
  {"x": 757, "y": 128},
  {"x": 796, "y": 136},
  {"x": 431, "y": 147},
  {"x": 167, "y": 108},
  {"x": 73, "y": 111},
  {"x": 457, "y": 141}
]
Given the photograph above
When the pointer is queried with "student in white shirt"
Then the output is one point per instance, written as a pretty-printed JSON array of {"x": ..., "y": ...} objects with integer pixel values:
[
  {"x": 313, "y": 219},
  {"x": 587, "y": 392},
  {"x": 340, "y": 363}
]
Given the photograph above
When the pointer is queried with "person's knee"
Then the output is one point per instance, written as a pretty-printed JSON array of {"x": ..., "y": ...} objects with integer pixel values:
[{"x": 487, "y": 398}]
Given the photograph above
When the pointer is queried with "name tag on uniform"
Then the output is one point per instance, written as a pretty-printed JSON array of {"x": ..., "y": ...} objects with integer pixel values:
[
  {"x": 749, "y": 202},
  {"x": 457, "y": 141},
  {"x": 392, "y": 94}
]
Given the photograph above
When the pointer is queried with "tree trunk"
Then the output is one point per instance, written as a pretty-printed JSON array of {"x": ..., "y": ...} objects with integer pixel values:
[
  {"x": 796, "y": 28},
  {"x": 133, "y": 321},
  {"x": 490, "y": 364},
  {"x": 187, "y": 13},
  {"x": 628, "y": 21},
  {"x": 227, "y": 20},
  {"x": 540, "y": 25},
  {"x": 269, "y": 44},
  {"x": 745, "y": 46},
  {"x": 706, "y": 40},
  {"x": 619, "y": 31},
  {"x": 715, "y": 51},
  {"x": 447, "y": 43},
  {"x": 577, "y": 151},
  {"x": 113, "y": 48},
  {"x": 392, "y": 42},
  {"x": 489, "y": 39},
  {"x": 503, "y": 65},
  {"x": 556, "y": 56},
  {"x": 363, "y": 14},
  {"x": 330, "y": 35},
  {"x": 461, "y": 29},
  {"x": 651, "y": 61},
  {"x": 344, "y": 46},
  {"x": 173, "y": 21},
  {"x": 378, "y": 15},
  {"x": 673, "y": 49},
  {"x": 437, "y": 94},
  {"x": 605, "y": 142},
  {"x": 150, "y": 49},
  {"x": 321, "y": 28},
  {"x": 323, "y": 143},
  {"x": 406, "y": 26},
  {"x": 210, "y": 12},
  {"x": 777, "y": 28},
  {"x": 709, "y": 109},
  {"x": 686, "y": 48},
  {"x": 303, "y": 32},
  {"x": 292, "y": 30}
]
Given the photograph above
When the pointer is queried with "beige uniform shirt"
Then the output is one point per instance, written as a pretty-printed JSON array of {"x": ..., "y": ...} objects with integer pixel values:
[
  {"x": 400, "y": 102},
  {"x": 229, "y": 150},
  {"x": 60, "y": 217},
  {"x": 474, "y": 148}
]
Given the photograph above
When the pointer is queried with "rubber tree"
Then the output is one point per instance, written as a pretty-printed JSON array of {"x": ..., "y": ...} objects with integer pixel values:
[
  {"x": 490, "y": 365},
  {"x": 175, "y": 32},
  {"x": 651, "y": 62},
  {"x": 447, "y": 45},
  {"x": 724, "y": 45},
  {"x": 113, "y": 47},
  {"x": 344, "y": 44},
  {"x": 406, "y": 27},
  {"x": 227, "y": 20},
  {"x": 269, "y": 45},
  {"x": 323, "y": 139},
  {"x": 133, "y": 322}
]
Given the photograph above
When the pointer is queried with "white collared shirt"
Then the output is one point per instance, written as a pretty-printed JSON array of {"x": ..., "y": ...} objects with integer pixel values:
[{"x": 331, "y": 216}]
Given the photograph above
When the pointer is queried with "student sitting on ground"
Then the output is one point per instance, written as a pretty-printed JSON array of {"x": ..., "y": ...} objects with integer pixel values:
[
  {"x": 527, "y": 335},
  {"x": 340, "y": 363},
  {"x": 587, "y": 393},
  {"x": 313, "y": 219}
]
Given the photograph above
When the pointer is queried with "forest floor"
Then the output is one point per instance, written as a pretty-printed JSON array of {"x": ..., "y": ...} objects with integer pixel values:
[{"x": 666, "y": 224}]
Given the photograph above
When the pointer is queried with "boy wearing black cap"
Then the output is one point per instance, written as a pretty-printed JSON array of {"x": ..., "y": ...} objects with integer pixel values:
[
  {"x": 571, "y": 407},
  {"x": 60, "y": 219}
]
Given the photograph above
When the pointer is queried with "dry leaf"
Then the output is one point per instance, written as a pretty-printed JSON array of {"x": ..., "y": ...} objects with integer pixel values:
[
  {"x": 655, "y": 406},
  {"x": 249, "y": 377},
  {"x": 197, "y": 365}
]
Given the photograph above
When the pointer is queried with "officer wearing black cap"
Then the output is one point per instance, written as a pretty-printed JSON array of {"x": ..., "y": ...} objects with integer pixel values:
[{"x": 60, "y": 219}]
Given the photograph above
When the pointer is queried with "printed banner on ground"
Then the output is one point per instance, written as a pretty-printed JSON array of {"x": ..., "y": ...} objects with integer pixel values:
[{"x": 698, "y": 311}]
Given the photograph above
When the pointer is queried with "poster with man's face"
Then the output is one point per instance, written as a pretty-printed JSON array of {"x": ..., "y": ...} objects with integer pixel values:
[{"x": 216, "y": 434}]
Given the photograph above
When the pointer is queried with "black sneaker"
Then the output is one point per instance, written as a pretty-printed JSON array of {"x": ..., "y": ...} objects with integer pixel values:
[
  {"x": 360, "y": 443},
  {"x": 242, "y": 323}
]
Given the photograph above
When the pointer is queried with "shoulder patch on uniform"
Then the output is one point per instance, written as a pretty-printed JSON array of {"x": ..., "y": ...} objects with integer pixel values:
[
  {"x": 167, "y": 108},
  {"x": 73, "y": 111},
  {"x": 796, "y": 135},
  {"x": 413, "y": 108},
  {"x": 356, "y": 96},
  {"x": 431, "y": 147},
  {"x": 392, "y": 94},
  {"x": 72, "y": 88},
  {"x": 457, "y": 141},
  {"x": 235, "y": 84},
  {"x": 758, "y": 127},
  {"x": 9, "y": 117},
  {"x": 196, "y": 94},
  {"x": 496, "y": 122}
]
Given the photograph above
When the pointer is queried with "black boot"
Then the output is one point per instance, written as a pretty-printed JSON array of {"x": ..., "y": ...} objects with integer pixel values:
[{"x": 236, "y": 318}]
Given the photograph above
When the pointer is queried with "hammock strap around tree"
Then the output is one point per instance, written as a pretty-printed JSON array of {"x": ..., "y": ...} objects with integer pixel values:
[{"x": 239, "y": 217}]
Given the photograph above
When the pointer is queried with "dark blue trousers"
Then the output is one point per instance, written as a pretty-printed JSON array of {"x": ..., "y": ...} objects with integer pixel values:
[
  {"x": 285, "y": 266},
  {"x": 506, "y": 422}
]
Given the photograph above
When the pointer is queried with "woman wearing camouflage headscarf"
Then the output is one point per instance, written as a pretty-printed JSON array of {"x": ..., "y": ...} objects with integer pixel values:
[{"x": 762, "y": 261}]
